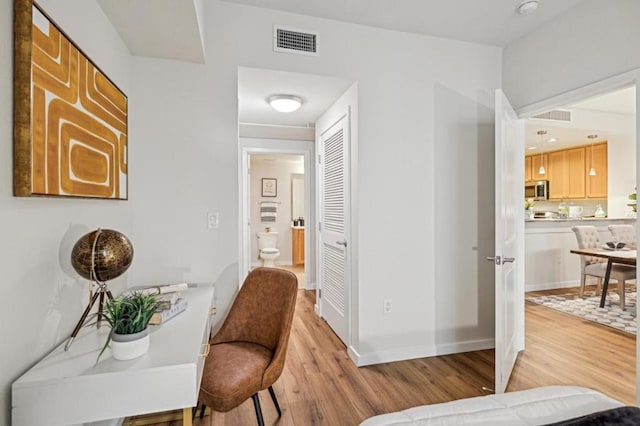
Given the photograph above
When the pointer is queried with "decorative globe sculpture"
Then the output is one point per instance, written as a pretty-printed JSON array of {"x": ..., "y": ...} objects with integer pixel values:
[{"x": 102, "y": 255}]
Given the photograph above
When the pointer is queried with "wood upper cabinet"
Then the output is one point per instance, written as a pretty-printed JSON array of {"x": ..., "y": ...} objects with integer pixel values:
[
  {"x": 536, "y": 162},
  {"x": 297, "y": 249},
  {"x": 566, "y": 174},
  {"x": 555, "y": 175},
  {"x": 527, "y": 169},
  {"x": 597, "y": 185},
  {"x": 575, "y": 161}
]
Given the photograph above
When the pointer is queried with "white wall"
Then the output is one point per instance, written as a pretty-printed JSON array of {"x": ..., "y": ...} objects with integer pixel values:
[
  {"x": 282, "y": 171},
  {"x": 403, "y": 92},
  {"x": 595, "y": 40},
  {"x": 417, "y": 95},
  {"x": 43, "y": 295}
]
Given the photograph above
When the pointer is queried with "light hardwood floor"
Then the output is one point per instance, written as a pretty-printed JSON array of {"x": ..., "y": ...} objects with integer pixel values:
[
  {"x": 298, "y": 270},
  {"x": 321, "y": 386}
]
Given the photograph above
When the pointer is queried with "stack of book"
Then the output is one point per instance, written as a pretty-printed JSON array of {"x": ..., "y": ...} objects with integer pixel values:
[{"x": 170, "y": 302}]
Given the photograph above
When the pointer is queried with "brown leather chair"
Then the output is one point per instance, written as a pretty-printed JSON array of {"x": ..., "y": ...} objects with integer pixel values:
[{"x": 247, "y": 355}]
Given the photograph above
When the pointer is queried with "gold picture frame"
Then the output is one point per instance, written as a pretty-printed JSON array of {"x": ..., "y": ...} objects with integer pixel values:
[{"x": 70, "y": 119}]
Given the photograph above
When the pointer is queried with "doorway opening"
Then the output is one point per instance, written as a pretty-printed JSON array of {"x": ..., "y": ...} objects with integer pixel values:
[
  {"x": 287, "y": 205},
  {"x": 279, "y": 226},
  {"x": 582, "y": 148}
]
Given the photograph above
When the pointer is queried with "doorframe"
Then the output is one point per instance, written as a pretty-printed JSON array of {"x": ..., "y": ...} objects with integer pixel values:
[
  {"x": 599, "y": 87},
  {"x": 346, "y": 103},
  {"x": 260, "y": 146}
]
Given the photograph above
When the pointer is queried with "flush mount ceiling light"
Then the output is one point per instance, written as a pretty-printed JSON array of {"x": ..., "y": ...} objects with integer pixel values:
[
  {"x": 527, "y": 7},
  {"x": 553, "y": 140},
  {"x": 285, "y": 103}
]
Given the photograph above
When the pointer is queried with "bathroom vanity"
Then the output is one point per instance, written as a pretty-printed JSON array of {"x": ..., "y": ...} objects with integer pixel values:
[{"x": 297, "y": 245}]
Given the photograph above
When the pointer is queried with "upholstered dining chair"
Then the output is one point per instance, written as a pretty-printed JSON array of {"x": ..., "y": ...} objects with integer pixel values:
[
  {"x": 248, "y": 354},
  {"x": 587, "y": 237},
  {"x": 624, "y": 234}
]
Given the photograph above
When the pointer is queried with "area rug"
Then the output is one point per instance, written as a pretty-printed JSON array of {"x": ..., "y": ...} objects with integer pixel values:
[{"x": 589, "y": 309}]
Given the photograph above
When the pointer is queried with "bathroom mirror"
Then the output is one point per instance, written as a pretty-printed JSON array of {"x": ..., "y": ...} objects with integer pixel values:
[{"x": 297, "y": 195}]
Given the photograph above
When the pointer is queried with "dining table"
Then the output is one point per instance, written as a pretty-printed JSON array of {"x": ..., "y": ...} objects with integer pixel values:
[{"x": 622, "y": 256}]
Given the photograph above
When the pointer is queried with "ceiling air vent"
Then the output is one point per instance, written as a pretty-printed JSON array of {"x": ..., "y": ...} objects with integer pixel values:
[
  {"x": 291, "y": 40},
  {"x": 555, "y": 114}
]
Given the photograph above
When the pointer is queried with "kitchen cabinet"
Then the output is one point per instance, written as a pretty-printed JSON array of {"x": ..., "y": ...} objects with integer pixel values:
[
  {"x": 566, "y": 174},
  {"x": 597, "y": 185},
  {"x": 527, "y": 169},
  {"x": 548, "y": 262},
  {"x": 297, "y": 248},
  {"x": 536, "y": 162}
]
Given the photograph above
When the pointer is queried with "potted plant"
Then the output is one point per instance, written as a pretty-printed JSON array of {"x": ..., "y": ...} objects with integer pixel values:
[
  {"x": 528, "y": 204},
  {"x": 128, "y": 317}
]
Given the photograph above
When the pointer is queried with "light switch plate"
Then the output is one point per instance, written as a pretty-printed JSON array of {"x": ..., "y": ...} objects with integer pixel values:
[{"x": 212, "y": 220}]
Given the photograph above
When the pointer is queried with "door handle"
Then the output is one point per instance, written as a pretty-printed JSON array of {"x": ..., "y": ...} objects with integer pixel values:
[
  {"x": 342, "y": 243},
  {"x": 497, "y": 259},
  {"x": 508, "y": 260}
]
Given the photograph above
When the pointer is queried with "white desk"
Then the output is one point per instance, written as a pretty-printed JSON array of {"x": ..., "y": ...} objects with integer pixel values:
[{"x": 70, "y": 388}]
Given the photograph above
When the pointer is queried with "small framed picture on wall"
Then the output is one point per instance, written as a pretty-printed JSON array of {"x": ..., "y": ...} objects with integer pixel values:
[{"x": 269, "y": 187}]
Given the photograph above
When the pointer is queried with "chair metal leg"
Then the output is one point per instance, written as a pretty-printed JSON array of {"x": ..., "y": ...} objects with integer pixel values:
[
  {"x": 202, "y": 411},
  {"x": 256, "y": 405},
  {"x": 275, "y": 401}
]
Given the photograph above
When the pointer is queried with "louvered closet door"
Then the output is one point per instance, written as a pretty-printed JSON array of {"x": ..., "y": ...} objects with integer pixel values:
[{"x": 334, "y": 143}]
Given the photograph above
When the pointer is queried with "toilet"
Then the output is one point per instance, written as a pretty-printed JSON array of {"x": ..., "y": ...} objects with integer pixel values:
[{"x": 267, "y": 242}]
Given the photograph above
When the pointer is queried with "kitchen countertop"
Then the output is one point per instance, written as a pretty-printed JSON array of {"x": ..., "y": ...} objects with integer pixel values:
[{"x": 582, "y": 219}]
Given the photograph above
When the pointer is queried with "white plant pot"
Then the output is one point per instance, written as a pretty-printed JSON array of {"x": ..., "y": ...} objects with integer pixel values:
[{"x": 129, "y": 346}]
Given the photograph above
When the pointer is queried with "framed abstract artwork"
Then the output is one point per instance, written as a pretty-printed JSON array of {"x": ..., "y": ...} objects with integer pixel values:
[
  {"x": 70, "y": 119},
  {"x": 269, "y": 187}
]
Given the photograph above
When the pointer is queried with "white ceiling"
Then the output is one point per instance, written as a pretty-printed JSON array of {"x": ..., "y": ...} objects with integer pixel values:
[
  {"x": 620, "y": 102},
  {"x": 609, "y": 106},
  {"x": 255, "y": 86},
  {"x": 172, "y": 29},
  {"x": 167, "y": 29},
  {"x": 492, "y": 22}
]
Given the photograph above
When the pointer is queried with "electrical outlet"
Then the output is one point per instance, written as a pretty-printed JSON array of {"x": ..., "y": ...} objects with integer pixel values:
[{"x": 386, "y": 306}]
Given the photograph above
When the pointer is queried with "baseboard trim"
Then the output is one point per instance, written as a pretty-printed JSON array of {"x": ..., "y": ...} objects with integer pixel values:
[
  {"x": 282, "y": 263},
  {"x": 550, "y": 286},
  {"x": 468, "y": 346},
  {"x": 413, "y": 352}
]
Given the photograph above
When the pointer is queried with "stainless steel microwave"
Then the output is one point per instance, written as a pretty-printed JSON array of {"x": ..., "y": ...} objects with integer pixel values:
[{"x": 538, "y": 190}]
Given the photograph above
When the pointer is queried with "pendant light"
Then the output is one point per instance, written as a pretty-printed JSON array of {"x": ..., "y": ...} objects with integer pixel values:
[
  {"x": 592, "y": 171},
  {"x": 541, "y": 171}
]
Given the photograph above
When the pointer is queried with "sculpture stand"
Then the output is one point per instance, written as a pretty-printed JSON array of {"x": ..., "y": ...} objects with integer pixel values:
[{"x": 98, "y": 295}]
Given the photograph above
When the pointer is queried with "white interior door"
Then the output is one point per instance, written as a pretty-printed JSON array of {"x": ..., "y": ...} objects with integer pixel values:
[
  {"x": 334, "y": 213},
  {"x": 509, "y": 245}
]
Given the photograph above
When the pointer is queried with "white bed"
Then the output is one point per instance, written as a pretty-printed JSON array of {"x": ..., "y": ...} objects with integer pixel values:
[{"x": 538, "y": 406}]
